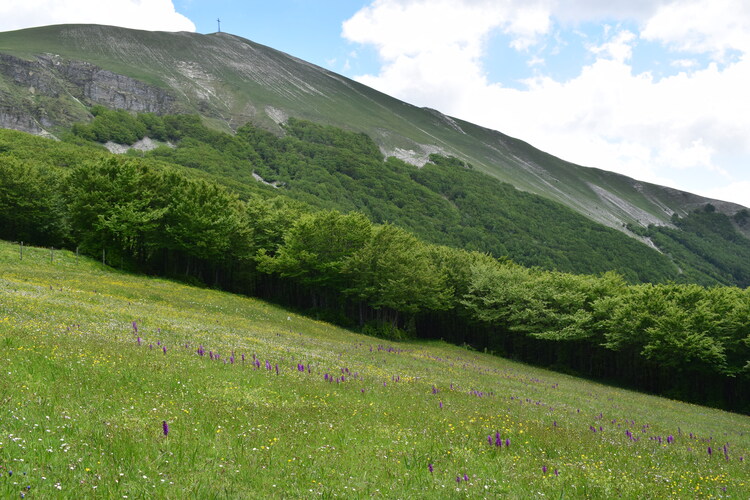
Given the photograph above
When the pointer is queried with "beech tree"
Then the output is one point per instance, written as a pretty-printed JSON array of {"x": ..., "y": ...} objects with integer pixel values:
[
  {"x": 316, "y": 249},
  {"x": 393, "y": 273},
  {"x": 31, "y": 208},
  {"x": 110, "y": 208}
]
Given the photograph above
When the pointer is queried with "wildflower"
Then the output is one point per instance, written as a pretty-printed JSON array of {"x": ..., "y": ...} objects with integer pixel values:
[
  {"x": 507, "y": 442},
  {"x": 138, "y": 340},
  {"x": 498, "y": 440},
  {"x": 489, "y": 439},
  {"x": 429, "y": 466},
  {"x": 165, "y": 427},
  {"x": 466, "y": 477},
  {"x": 710, "y": 451},
  {"x": 434, "y": 390},
  {"x": 135, "y": 327},
  {"x": 164, "y": 349},
  {"x": 544, "y": 469},
  {"x": 556, "y": 473},
  {"x": 440, "y": 403}
]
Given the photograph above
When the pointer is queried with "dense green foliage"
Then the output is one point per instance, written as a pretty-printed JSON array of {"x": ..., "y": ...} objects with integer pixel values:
[
  {"x": 710, "y": 244},
  {"x": 445, "y": 202},
  {"x": 684, "y": 340}
]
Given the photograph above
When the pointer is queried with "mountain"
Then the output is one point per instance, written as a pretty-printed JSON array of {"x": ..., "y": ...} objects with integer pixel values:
[
  {"x": 50, "y": 76},
  {"x": 295, "y": 204}
]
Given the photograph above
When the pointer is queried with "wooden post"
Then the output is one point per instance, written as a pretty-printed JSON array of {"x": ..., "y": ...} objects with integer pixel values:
[
  {"x": 76, "y": 255},
  {"x": 51, "y": 254},
  {"x": 103, "y": 258},
  {"x": 21, "y": 250}
]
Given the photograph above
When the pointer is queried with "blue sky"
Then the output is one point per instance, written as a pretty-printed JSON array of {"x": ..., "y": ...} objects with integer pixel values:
[{"x": 654, "y": 89}]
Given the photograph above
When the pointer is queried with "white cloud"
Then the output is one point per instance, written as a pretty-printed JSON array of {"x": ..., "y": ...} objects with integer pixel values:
[
  {"x": 410, "y": 27},
  {"x": 684, "y": 63},
  {"x": 669, "y": 130},
  {"x": 618, "y": 48},
  {"x": 704, "y": 26},
  {"x": 155, "y": 15},
  {"x": 737, "y": 192},
  {"x": 535, "y": 61}
]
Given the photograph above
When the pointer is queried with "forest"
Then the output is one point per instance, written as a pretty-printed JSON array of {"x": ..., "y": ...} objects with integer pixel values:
[{"x": 350, "y": 241}]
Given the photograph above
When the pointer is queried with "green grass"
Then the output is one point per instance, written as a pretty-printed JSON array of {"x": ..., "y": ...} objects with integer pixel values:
[{"x": 82, "y": 405}]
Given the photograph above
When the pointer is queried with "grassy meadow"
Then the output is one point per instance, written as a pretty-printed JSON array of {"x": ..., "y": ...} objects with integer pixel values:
[{"x": 119, "y": 386}]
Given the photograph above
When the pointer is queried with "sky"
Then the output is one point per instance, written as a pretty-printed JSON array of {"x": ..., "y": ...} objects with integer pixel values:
[{"x": 658, "y": 90}]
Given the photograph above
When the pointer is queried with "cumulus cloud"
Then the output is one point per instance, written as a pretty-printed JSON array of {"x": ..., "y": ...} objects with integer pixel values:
[
  {"x": 155, "y": 15},
  {"x": 670, "y": 130},
  {"x": 704, "y": 26}
]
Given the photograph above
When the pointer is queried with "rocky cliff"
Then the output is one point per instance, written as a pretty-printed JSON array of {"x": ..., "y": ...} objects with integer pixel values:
[{"x": 49, "y": 91}]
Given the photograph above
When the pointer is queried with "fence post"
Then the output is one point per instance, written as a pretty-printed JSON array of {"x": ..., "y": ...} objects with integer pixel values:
[
  {"x": 103, "y": 261},
  {"x": 21, "y": 250},
  {"x": 76, "y": 254},
  {"x": 51, "y": 254}
]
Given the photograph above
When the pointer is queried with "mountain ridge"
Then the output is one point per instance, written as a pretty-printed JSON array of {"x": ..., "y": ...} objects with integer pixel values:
[{"x": 231, "y": 81}]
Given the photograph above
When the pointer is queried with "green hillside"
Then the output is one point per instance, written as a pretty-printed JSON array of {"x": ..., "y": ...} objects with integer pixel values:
[
  {"x": 231, "y": 81},
  {"x": 96, "y": 362},
  {"x": 446, "y": 202},
  {"x": 148, "y": 215}
]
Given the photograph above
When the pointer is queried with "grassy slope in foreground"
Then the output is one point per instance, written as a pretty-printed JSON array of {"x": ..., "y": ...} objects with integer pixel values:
[{"x": 82, "y": 405}]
